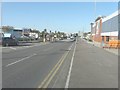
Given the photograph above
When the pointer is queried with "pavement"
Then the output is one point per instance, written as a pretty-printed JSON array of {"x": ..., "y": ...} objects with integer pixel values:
[
  {"x": 63, "y": 64},
  {"x": 87, "y": 66},
  {"x": 111, "y": 50},
  {"x": 93, "y": 67}
]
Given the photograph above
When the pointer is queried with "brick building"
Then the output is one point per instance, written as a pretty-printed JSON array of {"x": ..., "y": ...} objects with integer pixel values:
[{"x": 105, "y": 29}]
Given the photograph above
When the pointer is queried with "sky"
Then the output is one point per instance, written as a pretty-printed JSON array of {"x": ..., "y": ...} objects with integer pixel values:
[{"x": 55, "y": 16}]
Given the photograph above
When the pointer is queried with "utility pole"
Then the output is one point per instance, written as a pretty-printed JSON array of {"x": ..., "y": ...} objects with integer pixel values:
[
  {"x": 50, "y": 36},
  {"x": 95, "y": 18},
  {"x": 23, "y": 34},
  {"x": 44, "y": 35},
  {"x": 83, "y": 33},
  {"x": 91, "y": 30},
  {"x": 95, "y": 9}
]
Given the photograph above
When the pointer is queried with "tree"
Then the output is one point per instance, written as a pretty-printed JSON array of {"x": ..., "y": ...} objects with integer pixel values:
[
  {"x": 35, "y": 31},
  {"x": 44, "y": 33},
  {"x": 45, "y": 30},
  {"x": 85, "y": 34},
  {"x": 7, "y": 28},
  {"x": 58, "y": 34}
]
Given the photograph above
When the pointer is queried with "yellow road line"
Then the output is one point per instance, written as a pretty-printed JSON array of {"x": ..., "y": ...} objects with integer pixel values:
[
  {"x": 52, "y": 73},
  {"x": 46, "y": 78}
]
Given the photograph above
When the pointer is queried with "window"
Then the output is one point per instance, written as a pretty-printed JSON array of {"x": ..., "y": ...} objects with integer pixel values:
[
  {"x": 107, "y": 38},
  {"x": 102, "y": 38}
]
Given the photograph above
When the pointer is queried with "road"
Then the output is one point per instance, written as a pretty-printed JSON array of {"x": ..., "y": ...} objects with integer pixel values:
[
  {"x": 63, "y": 64},
  {"x": 28, "y": 67}
]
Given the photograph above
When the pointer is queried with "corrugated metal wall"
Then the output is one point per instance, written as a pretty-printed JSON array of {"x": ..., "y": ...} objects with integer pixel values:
[{"x": 110, "y": 25}]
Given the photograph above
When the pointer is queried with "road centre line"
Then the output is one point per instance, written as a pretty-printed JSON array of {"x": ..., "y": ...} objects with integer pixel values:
[
  {"x": 63, "y": 59},
  {"x": 54, "y": 73},
  {"x": 54, "y": 70},
  {"x": 46, "y": 78},
  {"x": 70, "y": 69},
  {"x": 62, "y": 67},
  {"x": 21, "y": 60}
]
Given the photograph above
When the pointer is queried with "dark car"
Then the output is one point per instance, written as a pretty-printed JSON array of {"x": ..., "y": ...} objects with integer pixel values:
[{"x": 8, "y": 41}]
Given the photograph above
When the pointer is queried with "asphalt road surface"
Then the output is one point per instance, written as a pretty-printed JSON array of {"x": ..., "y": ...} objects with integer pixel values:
[
  {"x": 27, "y": 68},
  {"x": 63, "y": 64}
]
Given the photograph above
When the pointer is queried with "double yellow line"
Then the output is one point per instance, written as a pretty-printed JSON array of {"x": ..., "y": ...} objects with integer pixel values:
[{"x": 53, "y": 72}]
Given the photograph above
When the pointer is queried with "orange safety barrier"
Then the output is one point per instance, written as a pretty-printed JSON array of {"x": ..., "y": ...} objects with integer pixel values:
[{"x": 114, "y": 44}]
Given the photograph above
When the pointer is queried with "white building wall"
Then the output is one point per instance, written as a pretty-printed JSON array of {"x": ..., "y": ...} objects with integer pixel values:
[{"x": 110, "y": 33}]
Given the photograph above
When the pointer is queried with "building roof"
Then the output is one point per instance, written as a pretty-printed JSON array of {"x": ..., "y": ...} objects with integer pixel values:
[
  {"x": 110, "y": 16},
  {"x": 18, "y": 28}
]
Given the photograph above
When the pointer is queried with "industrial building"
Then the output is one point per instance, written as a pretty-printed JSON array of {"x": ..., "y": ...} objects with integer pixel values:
[{"x": 105, "y": 29}]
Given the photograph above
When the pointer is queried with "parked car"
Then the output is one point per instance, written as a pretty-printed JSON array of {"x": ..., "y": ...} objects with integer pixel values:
[
  {"x": 71, "y": 37},
  {"x": 8, "y": 41}
]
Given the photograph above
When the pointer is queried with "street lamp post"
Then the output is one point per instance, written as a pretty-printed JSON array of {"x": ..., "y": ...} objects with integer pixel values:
[
  {"x": 92, "y": 32},
  {"x": 44, "y": 35},
  {"x": 23, "y": 34},
  {"x": 50, "y": 36}
]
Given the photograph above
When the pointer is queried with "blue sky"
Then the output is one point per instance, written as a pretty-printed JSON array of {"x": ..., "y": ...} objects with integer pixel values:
[{"x": 66, "y": 16}]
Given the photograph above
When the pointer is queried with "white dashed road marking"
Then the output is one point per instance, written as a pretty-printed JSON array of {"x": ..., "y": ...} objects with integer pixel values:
[{"x": 21, "y": 60}]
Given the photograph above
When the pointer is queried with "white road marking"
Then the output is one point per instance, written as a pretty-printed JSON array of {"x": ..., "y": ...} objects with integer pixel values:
[
  {"x": 21, "y": 60},
  {"x": 70, "y": 47},
  {"x": 12, "y": 48},
  {"x": 70, "y": 69},
  {"x": 62, "y": 68}
]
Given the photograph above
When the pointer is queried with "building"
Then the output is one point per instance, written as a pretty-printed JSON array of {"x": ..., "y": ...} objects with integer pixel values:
[
  {"x": 110, "y": 27},
  {"x": 26, "y": 31},
  {"x": 13, "y": 32},
  {"x": 105, "y": 29},
  {"x": 16, "y": 32},
  {"x": 33, "y": 35},
  {"x": 97, "y": 29}
]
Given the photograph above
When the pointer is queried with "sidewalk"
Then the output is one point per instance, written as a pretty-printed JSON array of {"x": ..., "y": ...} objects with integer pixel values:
[
  {"x": 111, "y": 50},
  {"x": 93, "y": 68}
]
